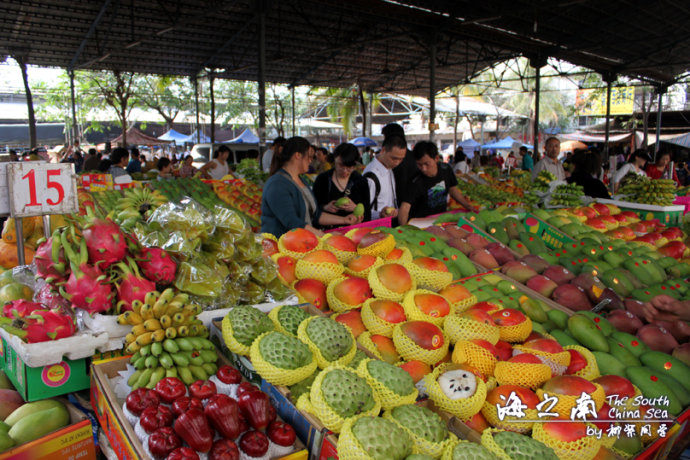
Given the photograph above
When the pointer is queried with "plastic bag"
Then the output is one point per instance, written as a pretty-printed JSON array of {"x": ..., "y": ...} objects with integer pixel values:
[
  {"x": 197, "y": 277},
  {"x": 188, "y": 217}
]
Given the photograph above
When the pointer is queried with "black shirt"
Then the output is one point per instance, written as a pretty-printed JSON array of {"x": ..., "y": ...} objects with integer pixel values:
[
  {"x": 325, "y": 191},
  {"x": 429, "y": 195},
  {"x": 592, "y": 186},
  {"x": 404, "y": 173}
]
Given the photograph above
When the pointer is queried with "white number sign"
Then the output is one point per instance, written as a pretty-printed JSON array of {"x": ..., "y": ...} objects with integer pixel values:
[{"x": 41, "y": 188}]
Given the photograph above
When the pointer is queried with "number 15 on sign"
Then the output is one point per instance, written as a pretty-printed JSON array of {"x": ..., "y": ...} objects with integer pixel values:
[{"x": 41, "y": 188}]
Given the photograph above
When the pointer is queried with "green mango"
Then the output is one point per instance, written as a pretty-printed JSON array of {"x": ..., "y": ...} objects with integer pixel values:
[
  {"x": 676, "y": 387},
  {"x": 617, "y": 281},
  {"x": 549, "y": 325},
  {"x": 4, "y": 427},
  {"x": 518, "y": 247},
  {"x": 39, "y": 424},
  {"x": 603, "y": 324},
  {"x": 630, "y": 342},
  {"x": 628, "y": 445},
  {"x": 497, "y": 231},
  {"x": 618, "y": 351},
  {"x": 585, "y": 331},
  {"x": 534, "y": 244},
  {"x": 533, "y": 310},
  {"x": 506, "y": 287},
  {"x": 643, "y": 294},
  {"x": 513, "y": 227},
  {"x": 508, "y": 301},
  {"x": 643, "y": 378},
  {"x": 342, "y": 202},
  {"x": 359, "y": 210},
  {"x": 608, "y": 365},
  {"x": 476, "y": 220},
  {"x": 541, "y": 214},
  {"x": 548, "y": 256},
  {"x": 31, "y": 408},
  {"x": 563, "y": 338},
  {"x": 558, "y": 317},
  {"x": 6, "y": 442},
  {"x": 664, "y": 363},
  {"x": 614, "y": 259},
  {"x": 537, "y": 327}
]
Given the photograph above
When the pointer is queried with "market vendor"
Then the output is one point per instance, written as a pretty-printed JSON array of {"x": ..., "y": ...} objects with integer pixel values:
[
  {"x": 287, "y": 202},
  {"x": 665, "y": 308},
  {"x": 550, "y": 161},
  {"x": 343, "y": 181},
  {"x": 662, "y": 168},
  {"x": 634, "y": 165},
  {"x": 430, "y": 188},
  {"x": 218, "y": 167},
  {"x": 586, "y": 172}
]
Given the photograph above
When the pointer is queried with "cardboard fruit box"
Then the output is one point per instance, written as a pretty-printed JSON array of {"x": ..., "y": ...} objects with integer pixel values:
[
  {"x": 111, "y": 418},
  {"x": 75, "y": 441}
]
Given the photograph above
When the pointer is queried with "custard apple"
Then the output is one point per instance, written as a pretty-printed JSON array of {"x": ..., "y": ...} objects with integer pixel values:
[
  {"x": 290, "y": 316},
  {"x": 519, "y": 447},
  {"x": 421, "y": 422},
  {"x": 248, "y": 323},
  {"x": 471, "y": 451},
  {"x": 458, "y": 384},
  {"x": 392, "y": 377},
  {"x": 346, "y": 393},
  {"x": 381, "y": 438},
  {"x": 334, "y": 340},
  {"x": 299, "y": 388},
  {"x": 359, "y": 356},
  {"x": 284, "y": 351}
]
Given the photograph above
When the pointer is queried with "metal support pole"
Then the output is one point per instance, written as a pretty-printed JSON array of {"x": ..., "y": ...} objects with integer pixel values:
[
  {"x": 537, "y": 87},
  {"x": 196, "y": 107},
  {"x": 74, "y": 106},
  {"x": 292, "y": 94},
  {"x": 213, "y": 110},
  {"x": 662, "y": 90},
  {"x": 608, "y": 117},
  {"x": 46, "y": 226},
  {"x": 432, "y": 91},
  {"x": 20, "y": 240},
  {"x": 262, "y": 77}
]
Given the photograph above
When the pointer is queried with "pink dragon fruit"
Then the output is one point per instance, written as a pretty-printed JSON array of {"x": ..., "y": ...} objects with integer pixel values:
[
  {"x": 157, "y": 265},
  {"x": 50, "y": 297},
  {"x": 133, "y": 286},
  {"x": 42, "y": 325},
  {"x": 20, "y": 308},
  {"x": 87, "y": 286},
  {"x": 105, "y": 242},
  {"x": 50, "y": 259}
]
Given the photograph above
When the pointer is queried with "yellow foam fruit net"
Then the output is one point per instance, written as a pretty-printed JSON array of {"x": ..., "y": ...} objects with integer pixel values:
[
  {"x": 422, "y": 445},
  {"x": 413, "y": 312},
  {"x": 517, "y": 333},
  {"x": 567, "y": 402},
  {"x": 335, "y": 303},
  {"x": 273, "y": 315},
  {"x": 558, "y": 362},
  {"x": 509, "y": 423},
  {"x": 478, "y": 357},
  {"x": 429, "y": 279},
  {"x": 405, "y": 257},
  {"x": 374, "y": 323},
  {"x": 591, "y": 370},
  {"x": 315, "y": 403},
  {"x": 584, "y": 448},
  {"x": 464, "y": 304},
  {"x": 408, "y": 350},
  {"x": 489, "y": 443},
  {"x": 491, "y": 383},
  {"x": 389, "y": 399},
  {"x": 275, "y": 258},
  {"x": 349, "y": 448},
  {"x": 380, "y": 249},
  {"x": 364, "y": 340},
  {"x": 448, "y": 451},
  {"x": 343, "y": 256},
  {"x": 278, "y": 375},
  {"x": 229, "y": 338},
  {"x": 465, "y": 408},
  {"x": 324, "y": 272},
  {"x": 382, "y": 292},
  {"x": 458, "y": 328},
  {"x": 295, "y": 254},
  {"x": 320, "y": 360},
  {"x": 301, "y": 299},
  {"x": 364, "y": 273},
  {"x": 526, "y": 375}
]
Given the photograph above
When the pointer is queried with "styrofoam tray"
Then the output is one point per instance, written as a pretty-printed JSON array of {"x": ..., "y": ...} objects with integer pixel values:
[{"x": 45, "y": 353}]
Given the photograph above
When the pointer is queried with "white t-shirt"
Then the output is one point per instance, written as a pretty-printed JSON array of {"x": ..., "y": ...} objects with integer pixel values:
[
  {"x": 625, "y": 169},
  {"x": 461, "y": 167},
  {"x": 221, "y": 170},
  {"x": 386, "y": 196},
  {"x": 266, "y": 160}
]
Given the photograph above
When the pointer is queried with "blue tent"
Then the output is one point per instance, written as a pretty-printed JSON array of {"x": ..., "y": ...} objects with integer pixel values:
[
  {"x": 173, "y": 135},
  {"x": 247, "y": 137},
  {"x": 363, "y": 142},
  {"x": 506, "y": 143},
  {"x": 683, "y": 140},
  {"x": 192, "y": 138},
  {"x": 468, "y": 144}
]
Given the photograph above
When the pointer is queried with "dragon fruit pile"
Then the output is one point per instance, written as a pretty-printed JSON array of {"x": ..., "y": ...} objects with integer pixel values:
[{"x": 91, "y": 265}]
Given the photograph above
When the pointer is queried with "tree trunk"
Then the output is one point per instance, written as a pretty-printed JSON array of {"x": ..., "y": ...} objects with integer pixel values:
[
  {"x": 362, "y": 110},
  {"x": 29, "y": 103},
  {"x": 123, "y": 121},
  {"x": 455, "y": 121},
  {"x": 645, "y": 117}
]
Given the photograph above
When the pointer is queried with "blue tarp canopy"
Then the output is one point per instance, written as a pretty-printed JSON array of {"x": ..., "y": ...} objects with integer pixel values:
[
  {"x": 247, "y": 137},
  {"x": 363, "y": 142},
  {"x": 173, "y": 135},
  {"x": 683, "y": 140},
  {"x": 192, "y": 138},
  {"x": 468, "y": 144},
  {"x": 506, "y": 143}
]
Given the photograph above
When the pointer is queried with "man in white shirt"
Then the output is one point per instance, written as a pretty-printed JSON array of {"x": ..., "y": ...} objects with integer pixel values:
[
  {"x": 276, "y": 147},
  {"x": 550, "y": 161},
  {"x": 379, "y": 174}
]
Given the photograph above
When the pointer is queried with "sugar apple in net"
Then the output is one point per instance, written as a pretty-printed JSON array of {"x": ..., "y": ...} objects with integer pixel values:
[
  {"x": 471, "y": 451},
  {"x": 382, "y": 439},
  {"x": 519, "y": 447},
  {"x": 290, "y": 316},
  {"x": 284, "y": 351},
  {"x": 248, "y": 323},
  {"x": 347, "y": 393},
  {"x": 359, "y": 356},
  {"x": 421, "y": 421},
  {"x": 333, "y": 339},
  {"x": 392, "y": 377}
]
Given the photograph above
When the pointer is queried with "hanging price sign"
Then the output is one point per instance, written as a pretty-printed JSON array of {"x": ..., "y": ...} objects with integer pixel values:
[{"x": 41, "y": 188}]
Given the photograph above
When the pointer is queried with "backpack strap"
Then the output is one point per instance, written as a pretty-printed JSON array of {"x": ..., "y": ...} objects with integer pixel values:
[{"x": 377, "y": 187}]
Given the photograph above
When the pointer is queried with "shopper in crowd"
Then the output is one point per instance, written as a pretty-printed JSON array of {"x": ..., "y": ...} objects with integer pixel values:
[
  {"x": 586, "y": 171},
  {"x": 527, "y": 160},
  {"x": 405, "y": 170},
  {"x": 287, "y": 202},
  {"x": 164, "y": 166},
  {"x": 74, "y": 156},
  {"x": 186, "y": 168},
  {"x": 13, "y": 156},
  {"x": 134, "y": 164},
  {"x": 343, "y": 181},
  {"x": 460, "y": 165},
  {"x": 550, "y": 161},
  {"x": 218, "y": 167},
  {"x": 92, "y": 160},
  {"x": 431, "y": 187},
  {"x": 119, "y": 159},
  {"x": 634, "y": 165},
  {"x": 267, "y": 159},
  {"x": 683, "y": 173},
  {"x": 380, "y": 174},
  {"x": 320, "y": 163},
  {"x": 662, "y": 168}
]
